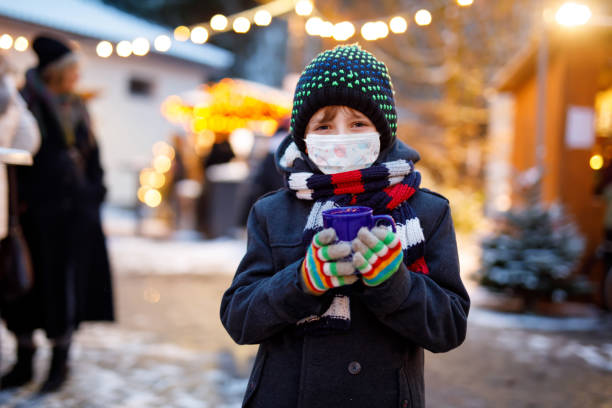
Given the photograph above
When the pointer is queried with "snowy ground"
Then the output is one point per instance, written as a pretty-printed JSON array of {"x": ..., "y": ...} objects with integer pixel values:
[{"x": 168, "y": 348}]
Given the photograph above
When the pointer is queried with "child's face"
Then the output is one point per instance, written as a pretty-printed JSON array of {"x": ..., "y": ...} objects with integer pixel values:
[{"x": 336, "y": 119}]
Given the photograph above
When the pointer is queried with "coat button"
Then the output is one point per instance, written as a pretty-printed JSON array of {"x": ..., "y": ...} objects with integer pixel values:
[
  {"x": 354, "y": 367},
  {"x": 405, "y": 404}
]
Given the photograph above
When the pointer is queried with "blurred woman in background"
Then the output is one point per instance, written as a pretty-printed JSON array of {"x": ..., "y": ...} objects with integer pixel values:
[{"x": 60, "y": 198}]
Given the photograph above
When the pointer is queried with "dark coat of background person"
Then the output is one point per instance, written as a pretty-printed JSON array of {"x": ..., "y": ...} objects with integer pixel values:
[
  {"x": 60, "y": 198},
  {"x": 379, "y": 361}
]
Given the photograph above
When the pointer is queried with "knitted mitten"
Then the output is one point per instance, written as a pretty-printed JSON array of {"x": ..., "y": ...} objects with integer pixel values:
[
  {"x": 321, "y": 270},
  {"x": 378, "y": 254}
]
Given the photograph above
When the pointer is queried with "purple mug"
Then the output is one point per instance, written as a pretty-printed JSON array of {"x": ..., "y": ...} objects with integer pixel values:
[{"x": 348, "y": 220}]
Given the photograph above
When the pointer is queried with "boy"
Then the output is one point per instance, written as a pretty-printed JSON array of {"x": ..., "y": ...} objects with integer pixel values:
[{"x": 344, "y": 324}]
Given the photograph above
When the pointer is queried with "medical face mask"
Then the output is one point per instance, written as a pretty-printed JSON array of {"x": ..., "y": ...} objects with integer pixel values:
[{"x": 344, "y": 152}]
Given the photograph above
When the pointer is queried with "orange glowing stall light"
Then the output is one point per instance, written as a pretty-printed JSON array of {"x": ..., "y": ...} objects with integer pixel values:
[{"x": 228, "y": 105}]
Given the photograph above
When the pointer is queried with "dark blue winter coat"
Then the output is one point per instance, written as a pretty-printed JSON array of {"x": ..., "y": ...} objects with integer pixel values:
[{"x": 378, "y": 362}]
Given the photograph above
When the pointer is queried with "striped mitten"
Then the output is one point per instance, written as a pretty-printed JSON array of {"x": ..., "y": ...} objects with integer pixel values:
[
  {"x": 378, "y": 254},
  {"x": 321, "y": 269}
]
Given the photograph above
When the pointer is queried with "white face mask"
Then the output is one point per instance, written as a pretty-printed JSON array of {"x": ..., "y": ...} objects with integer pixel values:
[{"x": 345, "y": 152}]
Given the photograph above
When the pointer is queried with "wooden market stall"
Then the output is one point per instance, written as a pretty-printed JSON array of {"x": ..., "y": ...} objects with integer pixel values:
[{"x": 577, "y": 119}]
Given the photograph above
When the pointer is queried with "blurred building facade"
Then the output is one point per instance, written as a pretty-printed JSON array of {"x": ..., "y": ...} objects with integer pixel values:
[
  {"x": 125, "y": 93},
  {"x": 577, "y": 124}
]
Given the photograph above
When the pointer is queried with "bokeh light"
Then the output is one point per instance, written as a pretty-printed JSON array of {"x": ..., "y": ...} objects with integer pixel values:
[
  {"x": 368, "y": 31},
  {"x": 398, "y": 25},
  {"x": 21, "y": 44},
  {"x": 573, "y": 14},
  {"x": 162, "y": 43},
  {"x": 140, "y": 46},
  {"x": 162, "y": 148},
  {"x": 304, "y": 7},
  {"x": 199, "y": 35},
  {"x": 241, "y": 25},
  {"x": 313, "y": 25},
  {"x": 162, "y": 164},
  {"x": 262, "y": 18},
  {"x": 343, "y": 31},
  {"x": 382, "y": 30},
  {"x": 423, "y": 17},
  {"x": 464, "y": 3},
  {"x": 152, "y": 198},
  {"x": 327, "y": 29},
  {"x": 218, "y": 22},
  {"x": 181, "y": 33},
  {"x": 124, "y": 48},
  {"x": 596, "y": 162},
  {"x": 104, "y": 49},
  {"x": 6, "y": 41}
]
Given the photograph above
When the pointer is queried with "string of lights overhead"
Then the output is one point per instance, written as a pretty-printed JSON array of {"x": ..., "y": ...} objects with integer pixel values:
[{"x": 260, "y": 16}]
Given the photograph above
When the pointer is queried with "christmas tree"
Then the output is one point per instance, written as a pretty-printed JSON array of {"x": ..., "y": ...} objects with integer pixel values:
[{"x": 533, "y": 252}]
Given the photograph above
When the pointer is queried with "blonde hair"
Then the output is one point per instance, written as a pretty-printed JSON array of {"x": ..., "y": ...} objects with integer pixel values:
[{"x": 54, "y": 72}]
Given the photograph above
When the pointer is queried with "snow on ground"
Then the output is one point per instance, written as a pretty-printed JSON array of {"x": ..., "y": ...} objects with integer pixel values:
[
  {"x": 146, "y": 256},
  {"x": 113, "y": 367}
]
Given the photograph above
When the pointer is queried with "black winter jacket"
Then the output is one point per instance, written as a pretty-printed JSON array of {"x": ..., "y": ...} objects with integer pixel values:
[{"x": 378, "y": 362}]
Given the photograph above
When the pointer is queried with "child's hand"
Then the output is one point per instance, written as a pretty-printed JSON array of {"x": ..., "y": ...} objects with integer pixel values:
[
  {"x": 320, "y": 270},
  {"x": 378, "y": 254}
]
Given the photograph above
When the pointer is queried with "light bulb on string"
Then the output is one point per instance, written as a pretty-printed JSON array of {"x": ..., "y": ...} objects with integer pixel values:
[
  {"x": 262, "y": 18},
  {"x": 162, "y": 43},
  {"x": 124, "y": 48},
  {"x": 6, "y": 41},
  {"x": 343, "y": 31},
  {"x": 423, "y": 17},
  {"x": 199, "y": 35},
  {"x": 140, "y": 46},
  {"x": 368, "y": 31},
  {"x": 218, "y": 22},
  {"x": 398, "y": 25},
  {"x": 327, "y": 29},
  {"x": 104, "y": 49},
  {"x": 181, "y": 33},
  {"x": 241, "y": 25},
  {"x": 313, "y": 26},
  {"x": 382, "y": 30},
  {"x": 21, "y": 44},
  {"x": 304, "y": 7}
]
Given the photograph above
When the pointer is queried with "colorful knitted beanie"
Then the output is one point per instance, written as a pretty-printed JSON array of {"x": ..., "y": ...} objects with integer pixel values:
[{"x": 346, "y": 75}]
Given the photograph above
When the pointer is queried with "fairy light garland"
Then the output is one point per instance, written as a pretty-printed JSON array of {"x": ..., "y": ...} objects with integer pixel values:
[{"x": 260, "y": 16}]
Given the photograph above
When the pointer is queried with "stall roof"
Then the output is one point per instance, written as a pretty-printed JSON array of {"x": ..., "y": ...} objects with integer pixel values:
[{"x": 96, "y": 20}]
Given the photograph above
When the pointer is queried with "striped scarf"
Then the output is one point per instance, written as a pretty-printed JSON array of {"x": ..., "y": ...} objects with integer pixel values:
[{"x": 386, "y": 188}]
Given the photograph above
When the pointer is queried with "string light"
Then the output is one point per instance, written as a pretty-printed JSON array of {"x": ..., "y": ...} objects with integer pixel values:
[
  {"x": 398, "y": 25},
  {"x": 596, "y": 162},
  {"x": 327, "y": 29},
  {"x": 241, "y": 25},
  {"x": 162, "y": 164},
  {"x": 6, "y": 41},
  {"x": 304, "y": 7},
  {"x": 382, "y": 30},
  {"x": 104, "y": 49},
  {"x": 464, "y": 3},
  {"x": 162, "y": 43},
  {"x": 21, "y": 44},
  {"x": 573, "y": 14},
  {"x": 181, "y": 33},
  {"x": 368, "y": 31},
  {"x": 199, "y": 35},
  {"x": 124, "y": 49},
  {"x": 423, "y": 17},
  {"x": 140, "y": 46},
  {"x": 343, "y": 31},
  {"x": 152, "y": 198},
  {"x": 313, "y": 26},
  {"x": 262, "y": 18},
  {"x": 218, "y": 22}
]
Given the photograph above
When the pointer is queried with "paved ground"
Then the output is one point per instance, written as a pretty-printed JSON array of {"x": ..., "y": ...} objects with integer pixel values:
[{"x": 169, "y": 349}]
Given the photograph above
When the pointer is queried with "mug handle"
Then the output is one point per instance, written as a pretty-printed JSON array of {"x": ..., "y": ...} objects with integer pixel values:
[{"x": 385, "y": 219}]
